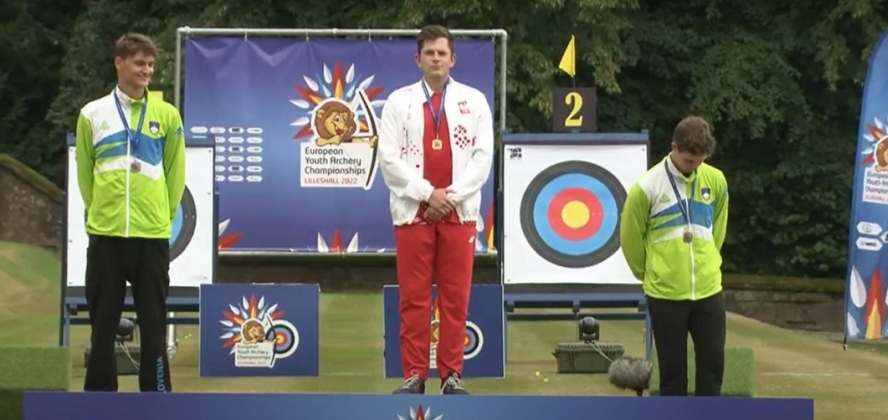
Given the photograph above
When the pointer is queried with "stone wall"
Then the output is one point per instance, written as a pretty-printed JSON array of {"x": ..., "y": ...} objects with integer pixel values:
[
  {"x": 30, "y": 208},
  {"x": 820, "y": 312}
]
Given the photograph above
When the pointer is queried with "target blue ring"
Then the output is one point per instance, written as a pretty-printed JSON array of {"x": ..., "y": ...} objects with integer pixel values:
[{"x": 609, "y": 221}]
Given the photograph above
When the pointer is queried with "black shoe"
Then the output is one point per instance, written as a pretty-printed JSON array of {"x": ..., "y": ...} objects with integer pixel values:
[
  {"x": 412, "y": 385},
  {"x": 453, "y": 385}
]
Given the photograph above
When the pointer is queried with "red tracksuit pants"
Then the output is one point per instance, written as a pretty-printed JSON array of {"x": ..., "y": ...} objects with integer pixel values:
[{"x": 445, "y": 252}]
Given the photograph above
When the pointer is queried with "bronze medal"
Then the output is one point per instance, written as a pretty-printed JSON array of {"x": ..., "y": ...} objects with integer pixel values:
[
  {"x": 437, "y": 144},
  {"x": 135, "y": 167},
  {"x": 688, "y": 236}
]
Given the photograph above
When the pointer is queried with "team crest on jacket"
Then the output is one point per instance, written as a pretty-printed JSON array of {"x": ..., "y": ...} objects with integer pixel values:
[
  {"x": 463, "y": 107},
  {"x": 706, "y": 193},
  {"x": 153, "y": 127},
  {"x": 338, "y": 127}
]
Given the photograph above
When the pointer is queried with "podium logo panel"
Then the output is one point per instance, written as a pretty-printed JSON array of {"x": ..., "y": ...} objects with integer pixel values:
[
  {"x": 484, "y": 346},
  {"x": 259, "y": 330}
]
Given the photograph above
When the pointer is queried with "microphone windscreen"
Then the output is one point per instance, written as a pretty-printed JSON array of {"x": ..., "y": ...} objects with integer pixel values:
[{"x": 630, "y": 373}]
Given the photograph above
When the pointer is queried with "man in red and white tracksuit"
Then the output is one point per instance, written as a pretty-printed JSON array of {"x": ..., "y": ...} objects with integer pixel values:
[{"x": 435, "y": 153}]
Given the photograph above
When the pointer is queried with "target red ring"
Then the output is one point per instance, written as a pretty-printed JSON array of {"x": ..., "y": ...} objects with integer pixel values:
[{"x": 587, "y": 202}]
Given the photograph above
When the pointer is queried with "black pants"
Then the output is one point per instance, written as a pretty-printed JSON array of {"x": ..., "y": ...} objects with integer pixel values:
[
  {"x": 144, "y": 263},
  {"x": 705, "y": 321}
]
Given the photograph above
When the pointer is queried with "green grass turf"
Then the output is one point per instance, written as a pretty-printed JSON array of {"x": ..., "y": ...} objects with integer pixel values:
[
  {"x": 845, "y": 385},
  {"x": 28, "y": 307},
  {"x": 738, "y": 380},
  {"x": 31, "y": 368}
]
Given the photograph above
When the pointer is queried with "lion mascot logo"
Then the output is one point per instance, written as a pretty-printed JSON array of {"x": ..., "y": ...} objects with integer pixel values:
[
  {"x": 253, "y": 332},
  {"x": 335, "y": 123},
  {"x": 881, "y": 155}
]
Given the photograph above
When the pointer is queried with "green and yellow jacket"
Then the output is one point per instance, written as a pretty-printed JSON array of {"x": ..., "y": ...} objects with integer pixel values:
[
  {"x": 130, "y": 188},
  {"x": 652, "y": 226}
]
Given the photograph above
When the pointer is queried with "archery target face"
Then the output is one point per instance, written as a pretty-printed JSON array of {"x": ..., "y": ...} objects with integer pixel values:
[
  {"x": 474, "y": 341},
  {"x": 570, "y": 214},
  {"x": 562, "y": 206}
]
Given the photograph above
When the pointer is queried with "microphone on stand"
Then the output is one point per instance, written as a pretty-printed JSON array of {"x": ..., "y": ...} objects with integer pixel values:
[{"x": 630, "y": 373}]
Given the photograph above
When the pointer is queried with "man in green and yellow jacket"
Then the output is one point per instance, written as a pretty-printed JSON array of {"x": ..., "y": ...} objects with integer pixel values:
[
  {"x": 671, "y": 231},
  {"x": 130, "y": 154}
]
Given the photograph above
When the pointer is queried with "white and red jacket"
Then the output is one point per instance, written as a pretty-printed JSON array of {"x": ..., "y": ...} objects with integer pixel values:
[{"x": 400, "y": 152}]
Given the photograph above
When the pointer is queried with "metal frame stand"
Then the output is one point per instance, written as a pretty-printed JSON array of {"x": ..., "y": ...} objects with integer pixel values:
[{"x": 185, "y": 32}]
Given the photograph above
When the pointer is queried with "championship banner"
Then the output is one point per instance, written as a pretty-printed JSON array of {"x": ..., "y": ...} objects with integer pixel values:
[
  {"x": 230, "y": 406},
  {"x": 295, "y": 123},
  {"x": 193, "y": 240},
  {"x": 485, "y": 349},
  {"x": 561, "y": 211},
  {"x": 865, "y": 293},
  {"x": 259, "y": 330}
]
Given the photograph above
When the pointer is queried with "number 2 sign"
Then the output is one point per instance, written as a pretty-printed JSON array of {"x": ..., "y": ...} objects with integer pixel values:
[{"x": 574, "y": 109}]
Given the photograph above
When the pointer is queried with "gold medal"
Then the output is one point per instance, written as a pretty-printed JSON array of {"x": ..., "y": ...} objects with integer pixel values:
[
  {"x": 437, "y": 144},
  {"x": 135, "y": 167},
  {"x": 688, "y": 236}
]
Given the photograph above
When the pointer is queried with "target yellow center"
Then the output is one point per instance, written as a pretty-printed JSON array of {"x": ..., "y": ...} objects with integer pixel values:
[{"x": 575, "y": 214}]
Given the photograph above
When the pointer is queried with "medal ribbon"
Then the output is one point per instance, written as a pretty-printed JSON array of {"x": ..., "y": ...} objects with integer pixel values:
[
  {"x": 133, "y": 137},
  {"x": 681, "y": 203},
  {"x": 436, "y": 115}
]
